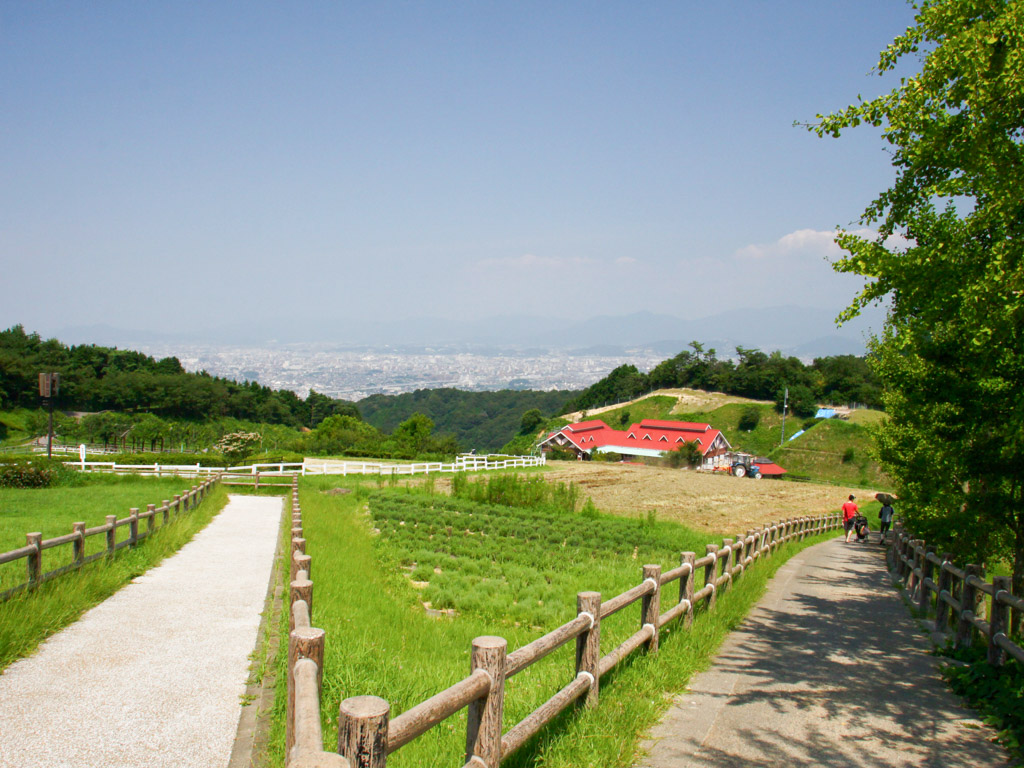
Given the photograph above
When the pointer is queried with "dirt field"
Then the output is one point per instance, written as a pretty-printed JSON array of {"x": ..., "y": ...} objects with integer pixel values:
[
  {"x": 718, "y": 503},
  {"x": 687, "y": 401}
]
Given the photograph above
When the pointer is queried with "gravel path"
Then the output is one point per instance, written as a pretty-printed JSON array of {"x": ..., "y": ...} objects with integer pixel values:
[
  {"x": 829, "y": 669},
  {"x": 152, "y": 676}
]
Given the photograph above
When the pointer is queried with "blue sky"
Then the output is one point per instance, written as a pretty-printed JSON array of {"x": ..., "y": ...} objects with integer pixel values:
[{"x": 178, "y": 166}]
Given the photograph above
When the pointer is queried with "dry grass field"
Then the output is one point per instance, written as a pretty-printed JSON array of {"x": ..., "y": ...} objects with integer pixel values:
[
  {"x": 716, "y": 503},
  {"x": 687, "y": 401}
]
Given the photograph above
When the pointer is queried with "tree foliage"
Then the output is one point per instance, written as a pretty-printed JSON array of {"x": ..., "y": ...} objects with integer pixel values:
[
  {"x": 951, "y": 356},
  {"x": 95, "y": 378},
  {"x": 754, "y": 374},
  {"x": 483, "y": 420}
]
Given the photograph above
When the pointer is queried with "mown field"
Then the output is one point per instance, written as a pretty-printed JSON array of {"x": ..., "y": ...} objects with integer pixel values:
[{"x": 512, "y": 569}]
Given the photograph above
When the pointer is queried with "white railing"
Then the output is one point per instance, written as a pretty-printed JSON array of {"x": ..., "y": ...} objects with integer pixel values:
[{"x": 466, "y": 463}]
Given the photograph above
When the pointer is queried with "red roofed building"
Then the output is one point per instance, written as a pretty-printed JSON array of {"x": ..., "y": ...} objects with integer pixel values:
[{"x": 648, "y": 438}]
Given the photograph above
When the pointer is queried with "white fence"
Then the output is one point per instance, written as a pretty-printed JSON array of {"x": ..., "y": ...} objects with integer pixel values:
[{"x": 466, "y": 463}]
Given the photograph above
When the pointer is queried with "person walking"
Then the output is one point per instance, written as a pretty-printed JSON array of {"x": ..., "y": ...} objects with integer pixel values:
[
  {"x": 849, "y": 512},
  {"x": 885, "y": 520}
]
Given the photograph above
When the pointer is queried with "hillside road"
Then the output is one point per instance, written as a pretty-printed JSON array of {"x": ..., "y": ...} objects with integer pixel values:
[{"x": 829, "y": 669}]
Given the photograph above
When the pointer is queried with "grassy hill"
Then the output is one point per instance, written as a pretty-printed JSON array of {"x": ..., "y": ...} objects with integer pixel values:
[
  {"x": 834, "y": 450},
  {"x": 830, "y": 450}
]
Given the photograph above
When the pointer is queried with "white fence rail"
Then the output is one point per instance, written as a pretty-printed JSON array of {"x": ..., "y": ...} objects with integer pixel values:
[{"x": 466, "y": 463}]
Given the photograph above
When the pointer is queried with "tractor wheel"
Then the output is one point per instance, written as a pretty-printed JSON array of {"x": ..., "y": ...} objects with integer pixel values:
[
  {"x": 756, "y": 475},
  {"x": 739, "y": 470}
]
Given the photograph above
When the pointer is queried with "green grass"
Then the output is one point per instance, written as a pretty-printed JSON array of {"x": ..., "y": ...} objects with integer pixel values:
[
  {"x": 655, "y": 407},
  {"x": 867, "y": 417},
  {"x": 819, "y": 453},
  {"x": 28, "y": 618},
  {"x": 52, "y": 511},
  {"x": 381, "y": 642},
  {"x": 14, "y": 426}
]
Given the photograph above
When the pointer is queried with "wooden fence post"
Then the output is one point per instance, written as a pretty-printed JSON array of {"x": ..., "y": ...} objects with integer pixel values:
[
  {"x": 968, "y": 596},
  {"x": 726, "y": 563},
  {"x": 483, "y": 726},
  {"x": 166, "y": 506},
  {"x": 363, "y": 731},
  {"x": 151, "y": 520},
  {"x": 911, "y": 581},
  {"x": 709, "y": 573},
  {"x": 34, "y": 561},
  {"x": 133, "y": 526},
  {"x": 924, "y": 602},
  {"x": 298, "y": 547},
  {"x": 686, "y": 589},
  {"x": 998, "y": 621},
  {"x": 177, "y": 504},
  {"x": 588, "y": 644},
  {"x": 111, "y": 533},
  {"x": 303, "y": 643},
  {"x": 941, "y": 606},
  {"x": 301, "y": 589},
  {"x": 650, "y": 605},
  {"x": 79, "y": 543}
]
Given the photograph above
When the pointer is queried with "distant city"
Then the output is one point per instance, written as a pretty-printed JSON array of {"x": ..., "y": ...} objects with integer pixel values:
[{"x": 353, "y": 374}]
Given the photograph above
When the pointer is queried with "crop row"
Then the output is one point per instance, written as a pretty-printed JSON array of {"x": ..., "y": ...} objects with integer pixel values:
[{"x": 518, "y": 565}]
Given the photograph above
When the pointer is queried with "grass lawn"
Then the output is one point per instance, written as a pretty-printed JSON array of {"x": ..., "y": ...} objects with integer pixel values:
[
  {"x": 511, "y": 572},
  {"x": 26, "y": 619},
  {"x": 52, "y": 511}
]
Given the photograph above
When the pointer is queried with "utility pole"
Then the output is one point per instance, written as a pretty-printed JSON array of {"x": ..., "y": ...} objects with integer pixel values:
[
  {"x": 785, "y": 403},
  {"x": 49, "y": 384}
]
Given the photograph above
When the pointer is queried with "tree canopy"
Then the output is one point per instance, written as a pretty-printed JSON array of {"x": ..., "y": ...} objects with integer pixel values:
[{"x": 951, "y": 356}]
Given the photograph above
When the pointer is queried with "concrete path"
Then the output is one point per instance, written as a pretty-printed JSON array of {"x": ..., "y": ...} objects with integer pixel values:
[
  {"x": 154, "y": 675},
  {"x": 829, "y": 669}
]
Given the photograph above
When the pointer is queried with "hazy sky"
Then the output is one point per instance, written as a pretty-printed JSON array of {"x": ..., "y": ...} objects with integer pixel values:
[{"x": 189, "y": 165}]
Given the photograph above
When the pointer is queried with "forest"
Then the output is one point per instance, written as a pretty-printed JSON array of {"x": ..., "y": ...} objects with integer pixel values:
[{"x": 755, "y": 374}]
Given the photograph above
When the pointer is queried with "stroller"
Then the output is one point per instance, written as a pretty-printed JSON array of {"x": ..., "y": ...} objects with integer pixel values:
[{"x": 860, "y": 527}]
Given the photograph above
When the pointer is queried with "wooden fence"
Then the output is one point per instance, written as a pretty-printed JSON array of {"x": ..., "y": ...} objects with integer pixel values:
[
  {"x": 961, "y": 599},
  {"x": 32, "y": 552},
  {"x": 367, "y": 734}
]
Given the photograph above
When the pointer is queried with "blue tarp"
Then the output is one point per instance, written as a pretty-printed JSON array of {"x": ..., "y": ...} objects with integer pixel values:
[
  {"x": 794, "y": 437},
  {"x": 825, "y": 413}
]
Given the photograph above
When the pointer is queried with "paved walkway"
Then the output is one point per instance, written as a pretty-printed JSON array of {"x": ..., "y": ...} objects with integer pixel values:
[
  {"x": 829, "y": 669},
  {"x": 154, "y": 675}
]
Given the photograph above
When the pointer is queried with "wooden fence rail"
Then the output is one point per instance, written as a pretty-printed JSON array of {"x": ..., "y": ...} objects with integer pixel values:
[
  {"x": 960, "y": 600},
  {"x": 366, "y": 732},
  {"x": 35, "y": 545}
]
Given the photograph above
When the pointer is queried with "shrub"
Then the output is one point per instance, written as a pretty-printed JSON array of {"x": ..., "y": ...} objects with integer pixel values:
[
  {"x": 209, "y": 459},
  {"x": 808, "y": 423},
  {"x": 848, "y": 455},
  {"x": 558, "y": 453},
  {"x": 238, "y": 445},
  {"x": 33, "y": 473},
  {"x": 750, "y": 418}
]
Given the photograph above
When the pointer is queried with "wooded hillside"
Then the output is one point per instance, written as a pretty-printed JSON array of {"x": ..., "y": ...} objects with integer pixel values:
[{"x": 482, "y": 420}]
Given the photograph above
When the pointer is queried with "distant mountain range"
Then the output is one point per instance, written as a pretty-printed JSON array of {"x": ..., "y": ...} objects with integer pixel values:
[{"x": 805, "y": 332}]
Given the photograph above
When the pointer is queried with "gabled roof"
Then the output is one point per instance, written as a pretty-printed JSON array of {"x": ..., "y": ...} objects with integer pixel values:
[
  {"x": 590, "y": 435},
  {"x": 675, "y": 426}
]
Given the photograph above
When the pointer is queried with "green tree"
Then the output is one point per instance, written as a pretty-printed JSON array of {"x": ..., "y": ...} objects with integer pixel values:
[
  {"x": 951, "y": 357},
  {"x": 531, "y": 422}
]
